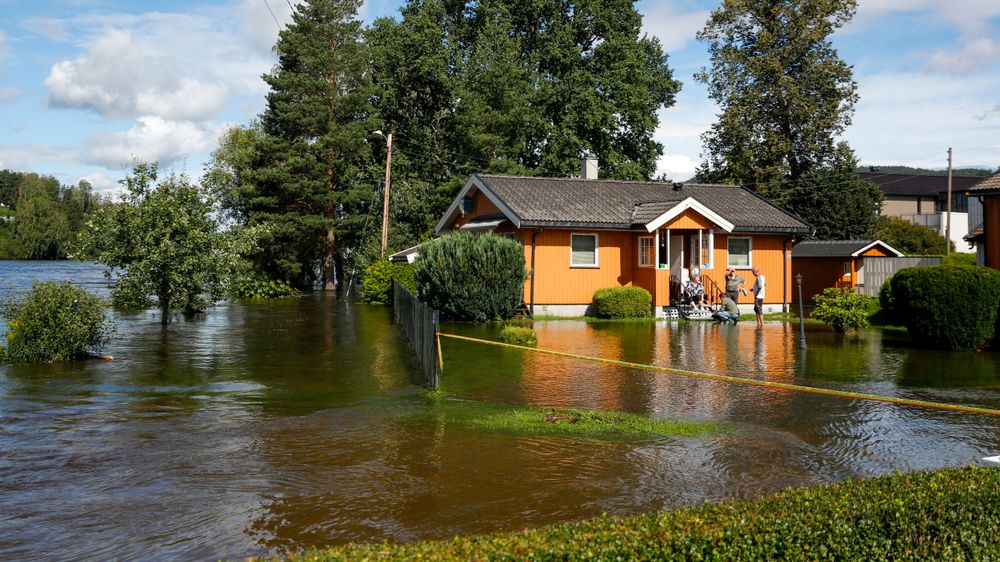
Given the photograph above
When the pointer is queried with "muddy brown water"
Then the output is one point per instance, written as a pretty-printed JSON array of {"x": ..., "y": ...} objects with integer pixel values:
[{"x": 258, "y": 428}]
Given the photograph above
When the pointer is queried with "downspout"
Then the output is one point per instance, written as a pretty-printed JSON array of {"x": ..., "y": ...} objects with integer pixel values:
[{"x": 534, "y": 234}]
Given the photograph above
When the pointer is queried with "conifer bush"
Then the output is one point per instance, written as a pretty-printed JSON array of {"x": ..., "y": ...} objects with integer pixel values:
[
  {"x": 622, "y": 302},
  {"x": 471, "y": 277},
  {"x": 56, "y": 321},
  {"x": 377, "y": 285},
  {"x": 947, "y": 306}
]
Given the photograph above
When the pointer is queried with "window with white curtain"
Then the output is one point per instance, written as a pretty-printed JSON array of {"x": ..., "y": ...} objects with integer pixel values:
[{"x": 583, "y": 250}]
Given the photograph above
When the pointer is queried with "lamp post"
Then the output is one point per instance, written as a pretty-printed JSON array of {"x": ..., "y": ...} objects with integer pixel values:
[
  {"x": 385, "y": 197},
  {"x": 802, "y": 321}
]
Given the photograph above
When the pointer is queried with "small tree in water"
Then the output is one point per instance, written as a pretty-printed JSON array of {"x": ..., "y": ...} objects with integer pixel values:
[{"x": 163, "y": 240}]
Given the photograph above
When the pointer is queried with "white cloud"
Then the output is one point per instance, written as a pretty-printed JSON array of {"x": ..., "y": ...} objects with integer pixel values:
[
  {"x": 258, "y": 25},
  {"x": 675, "y": 29},
  {"x": 7, "y": 95},
  {"x": 174, "y": 66},
  {"x": 974, "y": 54},
  {"x": 36, "y": 156},
  {"x": 3, "y": 45},
  {"x": 151, "y": 139},
  {"x": 100, "y": 182}
]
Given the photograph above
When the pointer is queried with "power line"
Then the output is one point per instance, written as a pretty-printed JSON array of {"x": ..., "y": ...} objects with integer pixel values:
[{"x": 272, "y": 14}]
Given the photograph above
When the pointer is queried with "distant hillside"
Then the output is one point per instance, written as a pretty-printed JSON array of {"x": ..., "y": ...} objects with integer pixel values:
[{"x": 974, "y": 172}]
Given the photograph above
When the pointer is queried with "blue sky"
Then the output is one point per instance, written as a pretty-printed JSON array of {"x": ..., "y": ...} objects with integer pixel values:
[{"x": 85, "y": 85}]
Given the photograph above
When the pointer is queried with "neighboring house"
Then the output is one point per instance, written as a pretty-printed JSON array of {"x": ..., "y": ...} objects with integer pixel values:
[
  {"x": 580, "y": 235},
  {"x": 923, "y": 199},
  {"x": 835, "y": 263},
  {"x": 985, "y": 236}
]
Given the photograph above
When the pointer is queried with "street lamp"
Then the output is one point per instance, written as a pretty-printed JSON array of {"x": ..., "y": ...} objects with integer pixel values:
[
  {"x": 802, "y": 322},
  {"x": 385, "y": 196}
]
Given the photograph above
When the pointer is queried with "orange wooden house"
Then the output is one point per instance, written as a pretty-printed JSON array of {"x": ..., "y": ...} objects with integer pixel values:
[
  {"x": 580, "y": 235},
  {"x": 834, "y": 263},
  {"x": 986, "y": 235}
]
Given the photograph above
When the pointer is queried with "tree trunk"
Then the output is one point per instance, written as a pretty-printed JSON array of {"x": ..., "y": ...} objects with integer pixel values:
[
  {"x": 328, "y": 263},
  {"x": 164, "y": 306}
]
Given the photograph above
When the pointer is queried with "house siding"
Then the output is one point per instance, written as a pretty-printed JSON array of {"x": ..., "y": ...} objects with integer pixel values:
[
  {"x": 991, "y": 235},
  {"x": 483, "y": 208},
  {"x": 558, "y": 283}
]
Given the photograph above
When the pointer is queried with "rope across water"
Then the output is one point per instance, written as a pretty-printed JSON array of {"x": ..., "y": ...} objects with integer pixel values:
[{"x": 740, "y": 380}]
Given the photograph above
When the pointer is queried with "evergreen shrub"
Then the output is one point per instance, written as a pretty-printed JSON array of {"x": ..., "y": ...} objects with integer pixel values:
[
  {"x": 950, "y": 514},
  {"x": 519, "y": 335},
  {"x": 471, "y": 277},
  {"x": 56, "y": 321},
  {"x": 622, "y": 302},
  {"x": 376, "y": 288},
  {"x": 261, "y": 288},
  {"x": 843, "y": 308},
  {"x": 947, "y": 306}
]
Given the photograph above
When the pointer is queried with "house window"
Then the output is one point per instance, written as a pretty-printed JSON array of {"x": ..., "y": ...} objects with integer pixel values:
[
  {"x": 583, "y": 250},
  {"x": 706, "y": 248},
  {"x": 847, "y": 269},
  {"x": 647, "y": 252},
  {"x": 740, "y": 253}
]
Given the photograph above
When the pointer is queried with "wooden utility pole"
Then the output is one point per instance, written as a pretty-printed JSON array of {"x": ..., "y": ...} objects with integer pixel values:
[
  {"x": 385, "y": 198},
  {"x": 947, "y": 229}
]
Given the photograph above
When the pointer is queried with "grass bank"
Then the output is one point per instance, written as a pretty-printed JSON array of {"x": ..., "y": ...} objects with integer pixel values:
[
  {"x": 481, "y": 416},
  {"x": 950, "y": 514}
]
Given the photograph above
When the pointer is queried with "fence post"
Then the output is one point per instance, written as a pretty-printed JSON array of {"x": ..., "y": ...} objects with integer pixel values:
[{"x": 420, "y": 326}]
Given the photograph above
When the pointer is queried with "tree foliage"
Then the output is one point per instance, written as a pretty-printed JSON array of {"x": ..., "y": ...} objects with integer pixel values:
[
  {"x": 784, "y": 92},
  {"x": 163, "y": 240},
  {"x": 56, "y": 321},
  {"x": 911, "y": 239}
]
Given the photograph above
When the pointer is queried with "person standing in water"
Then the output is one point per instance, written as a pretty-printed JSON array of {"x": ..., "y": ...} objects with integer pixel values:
[{"x": 759, "y": 287}]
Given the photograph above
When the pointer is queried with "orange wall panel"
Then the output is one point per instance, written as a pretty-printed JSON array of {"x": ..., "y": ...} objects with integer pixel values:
[
  {"x": 818, "y": 274},
  {"x": 877, "y": 252},
  {"x": 483, "y": 208},
  {"x": 690, "y": 219},
  {"x": 558, "y": 283},
  {"x": 991, "y": 222}
]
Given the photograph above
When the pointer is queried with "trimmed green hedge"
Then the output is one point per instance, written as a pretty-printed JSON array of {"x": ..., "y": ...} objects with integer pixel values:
[
  {"x": 471, "y": 277},
  {"x": 622, "y": 302},
  {"x": 519, "y": 335},
  {"x": 951, "y": 514},
  {"x": 377, "y": 285},
  {"x": 843, "y": 308},
  {"x": 947, "y": 306}
]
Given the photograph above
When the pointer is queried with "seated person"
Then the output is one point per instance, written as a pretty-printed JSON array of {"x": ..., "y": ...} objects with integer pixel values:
[
  {"x": 728, "y": 311},
  {"x": 696, "y": 291}
]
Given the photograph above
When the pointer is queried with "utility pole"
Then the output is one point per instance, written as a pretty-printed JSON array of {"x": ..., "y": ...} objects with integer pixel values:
[
  {"x": 385, "y": 198},
  {"x": 947, "y": 230}
]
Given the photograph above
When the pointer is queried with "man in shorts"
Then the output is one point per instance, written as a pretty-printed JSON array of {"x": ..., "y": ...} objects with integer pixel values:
[{"x": 759, "y": 286}]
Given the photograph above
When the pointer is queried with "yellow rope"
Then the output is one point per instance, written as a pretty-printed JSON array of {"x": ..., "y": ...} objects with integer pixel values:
[{"x": 741, "y": 380}]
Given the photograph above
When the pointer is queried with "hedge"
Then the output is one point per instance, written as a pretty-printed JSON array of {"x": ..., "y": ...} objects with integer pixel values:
[
  {"x": 843, "y": 308},
  {"x": 519, "y": 335},
  {"x": 950, "y": 514},
  {"x": 377, "y": 285},
  {"x": 622, "y": 302},
  {"x": 471, "y": 277},
  {"x": 947, "y": 306}
]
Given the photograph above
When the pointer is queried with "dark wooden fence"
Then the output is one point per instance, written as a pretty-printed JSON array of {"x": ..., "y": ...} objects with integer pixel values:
[
  {"x": 877, "y": 270},
  {"x": 420, "y": 324}
]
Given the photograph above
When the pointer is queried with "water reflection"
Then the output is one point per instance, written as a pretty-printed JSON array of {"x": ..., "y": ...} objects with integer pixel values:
[{"x": 259, "y": 428}]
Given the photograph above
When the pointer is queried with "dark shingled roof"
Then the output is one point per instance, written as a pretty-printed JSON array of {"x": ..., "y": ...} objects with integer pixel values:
[
  {"x": 919, "y": 184},
  {"x": 573, "y": 202},
  {"x": 828, "y": 248},
  {"x": 989, "y": 184},
  {"x": 975, "y": 234}
]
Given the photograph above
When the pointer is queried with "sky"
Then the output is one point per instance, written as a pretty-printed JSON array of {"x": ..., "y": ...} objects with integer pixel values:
[{"x": 86, "y": 86}]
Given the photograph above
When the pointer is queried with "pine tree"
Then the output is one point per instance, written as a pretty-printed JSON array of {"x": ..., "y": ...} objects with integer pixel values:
[{"x": 311, "y": 180}]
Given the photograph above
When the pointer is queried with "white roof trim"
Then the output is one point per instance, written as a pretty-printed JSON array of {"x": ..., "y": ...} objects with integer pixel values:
[
  {"x": 873, "y": 244},
  {"x": 689, "y": 203},
  {"x": 474, "y": 182}
]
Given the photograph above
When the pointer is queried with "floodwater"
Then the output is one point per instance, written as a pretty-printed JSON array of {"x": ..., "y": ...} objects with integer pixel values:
[{"x": 259, "y": 428}]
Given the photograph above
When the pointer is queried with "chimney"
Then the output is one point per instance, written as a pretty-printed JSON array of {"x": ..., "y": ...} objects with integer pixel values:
[{"x": 588, "y": 167}]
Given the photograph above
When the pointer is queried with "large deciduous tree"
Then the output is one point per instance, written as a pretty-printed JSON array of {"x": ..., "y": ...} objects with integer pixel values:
[
  {"x": 162, "y": 240},
  {"x": 783, "y": 91},
  {"x": 311, "y": 175}
]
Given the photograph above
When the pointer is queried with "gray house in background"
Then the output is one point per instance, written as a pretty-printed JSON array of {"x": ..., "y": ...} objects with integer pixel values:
[{"x": 923, "y": 199}]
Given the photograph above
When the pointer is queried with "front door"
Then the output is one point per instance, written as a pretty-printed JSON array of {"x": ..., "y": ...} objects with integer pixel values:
[{"x": 676, "y": 263}]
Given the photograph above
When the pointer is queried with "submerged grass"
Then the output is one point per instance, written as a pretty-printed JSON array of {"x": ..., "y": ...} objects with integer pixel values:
[
  {"x": 481, "y": 416},
  {"x": 950, "y": 514}
]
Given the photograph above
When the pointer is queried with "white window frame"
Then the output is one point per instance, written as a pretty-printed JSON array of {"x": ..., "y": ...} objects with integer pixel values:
[
  {"x": 597, "y": 251},
  {"x": 847, "y": 269},
  {"x": 709, "y": 235},
  {"x": 652, "y": 246},
  {"x": 729, "y": 254}
]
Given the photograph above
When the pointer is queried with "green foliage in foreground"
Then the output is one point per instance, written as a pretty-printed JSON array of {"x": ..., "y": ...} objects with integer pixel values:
[
  {"x": 54, "y": 322},
  {"x": 377, "y": 285},
  {"x": 261, "y": 288},
  {"x": 520, "y": 335},
  {"x": 622, "y": 302},
  {"x": 951, "y": 514},
  {"x": 471, "y": 277},
  {"x": 911, "y": 239},
  {"x": 843, "y": 308},
  {"x": 949, "y": 307}
]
